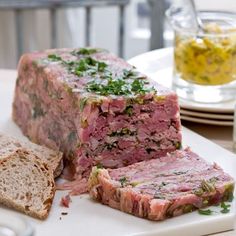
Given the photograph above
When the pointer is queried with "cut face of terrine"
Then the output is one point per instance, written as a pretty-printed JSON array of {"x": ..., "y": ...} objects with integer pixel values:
[
  {"x": 94, "y": 107},
  {"x": 161, "y": 188}
]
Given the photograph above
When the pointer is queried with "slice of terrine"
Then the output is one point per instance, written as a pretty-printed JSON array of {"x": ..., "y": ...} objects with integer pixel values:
[
  {"x": 94, "y": 107},
  {"x": 161, "y": 188}
]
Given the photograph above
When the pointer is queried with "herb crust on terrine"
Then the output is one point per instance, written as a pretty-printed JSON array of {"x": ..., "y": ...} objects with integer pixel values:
[{"x": 94, "y": 107}]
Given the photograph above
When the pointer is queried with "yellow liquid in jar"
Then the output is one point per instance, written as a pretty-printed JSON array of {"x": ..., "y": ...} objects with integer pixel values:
[{"x": 206, "y": 60}]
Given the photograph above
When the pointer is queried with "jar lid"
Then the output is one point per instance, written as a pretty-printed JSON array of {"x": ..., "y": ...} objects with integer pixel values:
[{"x": 216, "y": 22}]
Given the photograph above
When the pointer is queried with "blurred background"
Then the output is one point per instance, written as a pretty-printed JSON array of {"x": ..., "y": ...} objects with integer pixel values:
[{"x": 125, "y": 27}]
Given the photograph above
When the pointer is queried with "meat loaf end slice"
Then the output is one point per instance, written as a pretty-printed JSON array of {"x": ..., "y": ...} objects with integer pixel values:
[
  {"x": 94, "y": 107},
  {"x": 161, "y": 188}
]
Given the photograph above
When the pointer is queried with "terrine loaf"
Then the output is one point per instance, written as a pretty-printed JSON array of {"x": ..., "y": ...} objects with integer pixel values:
[
  {"x": 162, "y": 188},
  {"x": 94, "y": 107}
]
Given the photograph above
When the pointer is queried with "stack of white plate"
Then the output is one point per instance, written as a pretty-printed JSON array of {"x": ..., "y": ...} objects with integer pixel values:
[
  {"x": 220, "y": 116},
  {"x": 158, "y": 65}
]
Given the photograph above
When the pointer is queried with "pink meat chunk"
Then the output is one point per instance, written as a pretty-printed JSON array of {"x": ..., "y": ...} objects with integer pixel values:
[{"x": 161, "y": 188}]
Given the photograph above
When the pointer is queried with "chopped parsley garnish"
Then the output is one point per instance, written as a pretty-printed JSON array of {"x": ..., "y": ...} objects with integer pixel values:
[
  {"x": 129, "y": 82},
  {"x": 88, "y": 67},
  {"x": 54, "y": 57},
  {"x": 101, "y": 66},
  {"x": 129, "y": 73},
  {"x": 137, "y": 86},
  {"x": 123, "y": 181},
  {"x": 118, "y": 87},
  {"x": 84, "y": 67},
  {"x": 225, "y": 208},
  {"x": 84, "y": 51},
  {"x": 205, "y": 212},
  {"x": 115, "y": 87}
]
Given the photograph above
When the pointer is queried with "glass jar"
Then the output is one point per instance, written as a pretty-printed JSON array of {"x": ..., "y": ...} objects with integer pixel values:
[{"x": 205, "y": 61}]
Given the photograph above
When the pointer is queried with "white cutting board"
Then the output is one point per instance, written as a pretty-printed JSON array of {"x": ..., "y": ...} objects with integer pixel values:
[{"x": 89, "y": 218}]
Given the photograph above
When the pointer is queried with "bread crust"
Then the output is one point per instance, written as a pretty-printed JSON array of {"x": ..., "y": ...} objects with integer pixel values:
[
  {"x": 22, "y": 155},
  {"x": 54, "y": 159}
]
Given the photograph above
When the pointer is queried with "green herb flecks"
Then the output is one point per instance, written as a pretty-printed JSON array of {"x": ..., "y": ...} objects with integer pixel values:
[
  {"x": 110, "y": 146},
  {"x": 188, "y": 208},
  {"x": 129, "y": 110},
  {"x": 205, "y": 202},
  {"x": 82, "y": 103},
  {"x": 105, "y": 82},
  {"x": 178, "y": 145},
  {"x": 84, "y": 67},
  {"x": 123, "y": 181},
  {"x": 206, "y": 186},
  {"x": 54, "y": 57},
  {"x": 137, "y": 86},
  {"x": 199, "y": 192},
  {"x": 230, "y": 197},
  {"x": 122, "y": 132},
  {"x": 205, "y": 212},
  {"x": 180, "y": 172},
  {"x": 225, "y": 208},
  {"x": 134, "y": 184},
  {"x": 99, "y": 166},
  {"x": 37, "y": 112},
  {"x": 129, "y": 73},
  {"x": 117, "y": 87},
  {"x": 88, "y": 67},
  {"x": 84, "y": 51}
]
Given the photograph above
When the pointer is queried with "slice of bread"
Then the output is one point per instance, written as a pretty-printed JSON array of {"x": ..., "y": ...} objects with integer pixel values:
[
  {"x": 26, "y": 184},
  {"x": 52, "y": 158}
]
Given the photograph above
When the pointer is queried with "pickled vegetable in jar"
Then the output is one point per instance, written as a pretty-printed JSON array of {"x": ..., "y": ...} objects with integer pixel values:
[{"x": 207, "y": 58}]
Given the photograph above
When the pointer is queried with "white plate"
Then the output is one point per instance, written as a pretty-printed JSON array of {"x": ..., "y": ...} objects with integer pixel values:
[
  {"x": 216, "y": 116},
  {"x": 88, "y": 218},
  {"x": 207, "y": 121},
  {"x": 158, "y": 65},
  {"x": 11, "y": 224}
]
